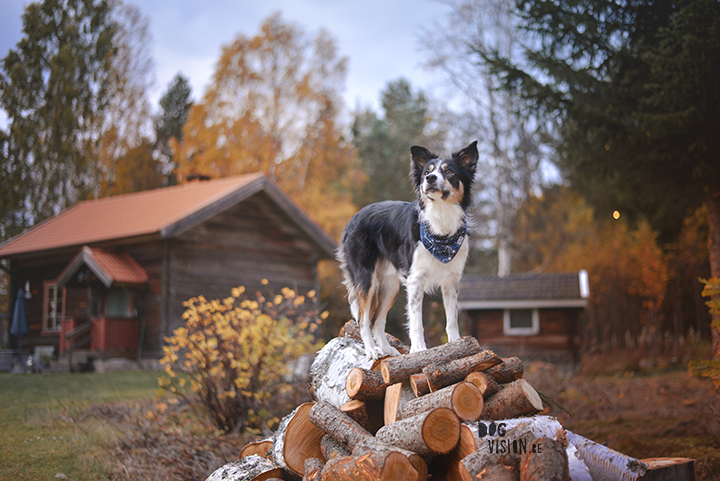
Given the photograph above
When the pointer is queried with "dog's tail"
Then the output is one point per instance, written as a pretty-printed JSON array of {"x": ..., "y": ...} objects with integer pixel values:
[{"x": 348, "y": 282}]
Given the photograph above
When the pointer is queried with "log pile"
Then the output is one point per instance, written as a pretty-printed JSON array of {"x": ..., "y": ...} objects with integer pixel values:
[{"x": 452, "y": 412}]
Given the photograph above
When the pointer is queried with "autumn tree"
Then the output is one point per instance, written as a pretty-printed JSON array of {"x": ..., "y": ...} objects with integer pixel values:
[
  {"x": 273, "y": 106},
  {"x": 383, "y": 142},
  {"x": 511, "y": 143},
  {"x": 627, "y": 269}
]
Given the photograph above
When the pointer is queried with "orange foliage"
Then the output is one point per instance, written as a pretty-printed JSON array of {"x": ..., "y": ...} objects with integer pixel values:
[
  {"x": 627, "y": 269},
  {"x": 273, "y": 107}
]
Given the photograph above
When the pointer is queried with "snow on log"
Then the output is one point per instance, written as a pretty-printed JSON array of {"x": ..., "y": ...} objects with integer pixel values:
[{"x": 329, "y": 371}]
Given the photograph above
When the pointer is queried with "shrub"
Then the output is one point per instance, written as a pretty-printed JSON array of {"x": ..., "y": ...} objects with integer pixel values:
[
  {"x": 710, "y": 368},
  {"x": 233, "y": 354}
]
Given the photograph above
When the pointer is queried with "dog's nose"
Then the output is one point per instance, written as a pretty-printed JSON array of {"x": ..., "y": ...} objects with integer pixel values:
[{"x": 431, "y": 178}]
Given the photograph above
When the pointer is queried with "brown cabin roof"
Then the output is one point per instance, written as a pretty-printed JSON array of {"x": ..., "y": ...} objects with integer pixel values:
[
  {"x": 524, "y": 290},
  {"x": 166, "y": 212}
]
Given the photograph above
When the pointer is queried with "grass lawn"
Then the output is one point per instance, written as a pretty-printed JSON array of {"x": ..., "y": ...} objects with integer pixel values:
[{"x": 42, "y": 434}]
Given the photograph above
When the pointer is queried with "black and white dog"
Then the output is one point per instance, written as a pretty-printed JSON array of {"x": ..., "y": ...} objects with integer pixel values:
[{"x": 421, "y": 244}]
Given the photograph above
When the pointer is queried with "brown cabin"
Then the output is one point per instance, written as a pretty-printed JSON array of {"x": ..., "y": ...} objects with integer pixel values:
[
  {"x": 533, "y": 316},
  {"x": 112, "y": 274}
]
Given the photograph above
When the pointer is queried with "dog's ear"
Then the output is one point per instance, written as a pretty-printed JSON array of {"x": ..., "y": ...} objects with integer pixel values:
[
  {"x": 420, "y": 157},
  {"x": 468, "y": 157}
]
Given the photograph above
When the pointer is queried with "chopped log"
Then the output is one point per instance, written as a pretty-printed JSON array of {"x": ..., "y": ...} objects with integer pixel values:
[
  {"x": 370, "y": 467},
  {"x": 331, "y": 367},
  {"x": 515, "y": 400},
  {"x": 313, "y": 469},
  {"x": 261, "y": 448},
  {"x": 352, "y": 330},
  {"x": 547, "y": 461},
  {"x": 486, "y": 383},
  {"x": 510, "y": 369},
  {"x": 357, "y": 410},
  {"x": 400, "y": 368},
  {"x": 332, "y": 449},
  {"x": 249, "y": 468},
  {"x": 375, "y": 445},
  {"x": 447, "y": 466},
  {"x": 669, "y": 469},
  {"x": 419, "y": 384},
  {"x": 365, "y": 385},
  {"x": 464, "y": 398},
  {"x": 445, "y": 373},
  {"x": 429, "y": 433},
  {"x": 396, "y": 396},
  {"x": 337, "y": 424},
  {"x": 296, "y": 439}
]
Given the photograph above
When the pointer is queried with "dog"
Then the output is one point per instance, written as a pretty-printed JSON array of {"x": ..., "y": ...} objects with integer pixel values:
[{"x": 421, "y": 244}]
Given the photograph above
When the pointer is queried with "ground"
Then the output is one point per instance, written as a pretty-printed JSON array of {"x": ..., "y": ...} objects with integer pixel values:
[
  {"x": 120, "y": 426},
  {"x": 644, "y": 415}
]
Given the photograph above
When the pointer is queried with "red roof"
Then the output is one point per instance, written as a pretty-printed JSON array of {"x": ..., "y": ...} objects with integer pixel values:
[
  {"x": 111, "y": 268},
  {"x": 143, "y": 213}
]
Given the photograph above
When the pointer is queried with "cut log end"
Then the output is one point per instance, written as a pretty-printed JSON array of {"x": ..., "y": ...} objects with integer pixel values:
[
  {"x": 517, "y": 399},
  {"x": 441, "y": 430},
  {"x": 467, "y": 402}
]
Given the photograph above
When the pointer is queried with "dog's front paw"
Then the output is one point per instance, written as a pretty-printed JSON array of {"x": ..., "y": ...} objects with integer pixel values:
[
  {"x": 417, "y": 347},
  {"x": 374, "y": 352}
]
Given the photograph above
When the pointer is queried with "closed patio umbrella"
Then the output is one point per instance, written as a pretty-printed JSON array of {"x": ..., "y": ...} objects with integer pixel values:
[{"x": 19, "y": 326}]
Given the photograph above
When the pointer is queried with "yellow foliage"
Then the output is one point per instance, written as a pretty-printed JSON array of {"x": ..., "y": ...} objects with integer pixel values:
[{"x": 237, "y": 352}]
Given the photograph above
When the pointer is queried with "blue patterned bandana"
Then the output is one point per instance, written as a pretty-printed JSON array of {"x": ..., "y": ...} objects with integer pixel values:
[{"x": 443, "y": 248}]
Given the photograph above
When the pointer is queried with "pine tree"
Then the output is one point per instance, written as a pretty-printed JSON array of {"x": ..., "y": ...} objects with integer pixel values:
[{"x": 175, "y": 105}]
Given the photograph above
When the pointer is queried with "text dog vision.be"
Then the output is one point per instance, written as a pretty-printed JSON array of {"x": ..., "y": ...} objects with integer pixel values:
[{"x": 505, "y": 446}]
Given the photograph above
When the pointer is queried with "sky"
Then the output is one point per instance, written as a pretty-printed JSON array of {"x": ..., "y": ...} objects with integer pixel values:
[{"x": 379, "y": 37}]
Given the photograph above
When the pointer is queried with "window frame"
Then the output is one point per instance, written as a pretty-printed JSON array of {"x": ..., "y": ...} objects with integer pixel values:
[
  {"x": 58, "y": 316},
  {"x": 521, "y": 331}
]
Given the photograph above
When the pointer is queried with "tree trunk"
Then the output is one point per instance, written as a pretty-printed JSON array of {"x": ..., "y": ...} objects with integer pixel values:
[
  {"x": 249, "y": 468},
  {"x": 546, "y": 461},
  {"x": 430, "y": 433},
  {"x": 445, "y": 373},
  {"x": 370, "y": 467},
  {"x": 296, "y": 439},
  {"x": 337, "y": 424},
  {"x": 463, "y": 398},
  {"x": 515, "y": 400},
  {"x": 485, "y": 383},
  {"x": 396, "y": 396},
  {"x": 510, "y": 369},
  {"x": 365, "y": 385},
  {"x": 262, "y": 448},
  {"x": 400, "y": 368}
]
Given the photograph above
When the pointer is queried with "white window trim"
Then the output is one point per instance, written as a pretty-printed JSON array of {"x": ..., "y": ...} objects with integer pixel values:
[{"x": 521, "y": 331}]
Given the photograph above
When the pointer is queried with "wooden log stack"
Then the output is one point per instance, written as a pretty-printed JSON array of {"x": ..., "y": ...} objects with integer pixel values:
[{"x": 410, "y": 417}]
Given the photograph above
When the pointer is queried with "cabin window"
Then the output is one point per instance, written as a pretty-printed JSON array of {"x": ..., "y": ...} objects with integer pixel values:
[
  {"x": 54, "y": 310},
  {"x": 521, "y": 322},
  {"x": 119, "y": 303}
]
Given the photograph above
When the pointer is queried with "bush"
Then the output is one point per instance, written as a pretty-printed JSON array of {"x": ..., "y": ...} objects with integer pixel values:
[
  {"x": 711, "y": 367},
  {"x": 234, "y": 353}
]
